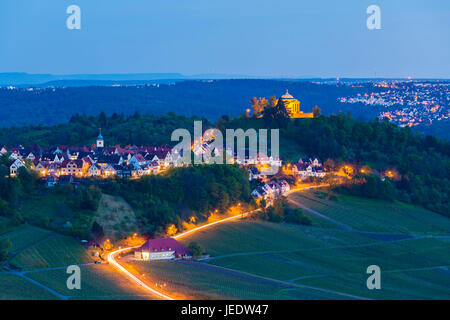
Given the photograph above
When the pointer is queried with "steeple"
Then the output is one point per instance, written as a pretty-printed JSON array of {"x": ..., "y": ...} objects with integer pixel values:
[{"x": 100, "y": 141}]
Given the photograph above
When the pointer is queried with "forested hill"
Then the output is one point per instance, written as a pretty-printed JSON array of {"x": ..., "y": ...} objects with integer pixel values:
[
  {"x": 135, "y": 129},
  {"x": 421, "y": 161},
  {"x": 210, "y": 99}
]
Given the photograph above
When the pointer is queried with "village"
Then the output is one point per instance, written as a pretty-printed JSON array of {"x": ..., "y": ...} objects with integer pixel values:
[
  {"x": 72, "y": 164},
  {"x": 69, "y": 164}
]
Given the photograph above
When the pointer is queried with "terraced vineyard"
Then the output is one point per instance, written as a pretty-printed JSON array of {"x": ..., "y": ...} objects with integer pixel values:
[
  {"x": 38, "y": 266},
  {"x": 55, "y": 252},
  {"x": 24, "y": 236},
  {"x": 375, "y": 216},
  {"x": 13, "y": 287},
  {"x": 262, "y": 260}
]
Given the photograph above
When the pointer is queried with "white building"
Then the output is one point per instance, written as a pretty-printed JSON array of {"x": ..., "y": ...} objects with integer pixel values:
[{"x": 161, "y": 249}]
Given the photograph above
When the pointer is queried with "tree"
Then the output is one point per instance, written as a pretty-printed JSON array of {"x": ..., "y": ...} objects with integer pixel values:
[
  {"x": 277, "y": 116},
  {"x": 258, "y": 105},
  {"x": 97, "y": 231},
  {"x": 329, "y": 165},
  {"x": 316, "y": 112},
  {"x": 272, "y": 101},
  {"x": 5, "y": 209},
  {"x": 103, "y": 120},
  {"x": 297, "y": 216},
  {"x": 26, "y": 179},
  {"x": 196, "y": 249},
  {"x": 171, "y": 230},
  {"x": 5, "y": 246}
]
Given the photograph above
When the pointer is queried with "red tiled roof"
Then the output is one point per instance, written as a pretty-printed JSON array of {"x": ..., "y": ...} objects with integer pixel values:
[
  {"x": 164, "y": 244},
  {"x": 140, "y": 158}
]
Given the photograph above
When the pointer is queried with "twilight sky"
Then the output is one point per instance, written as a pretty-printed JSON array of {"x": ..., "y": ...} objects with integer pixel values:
[{"x": 273, "y": 38}]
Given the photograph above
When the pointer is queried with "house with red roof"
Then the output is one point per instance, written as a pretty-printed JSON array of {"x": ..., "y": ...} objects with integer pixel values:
[{"x": 162, "y": 249}]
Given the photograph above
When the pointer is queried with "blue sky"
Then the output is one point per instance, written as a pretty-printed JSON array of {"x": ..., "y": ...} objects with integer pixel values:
[{"x": 273, "y": 38}]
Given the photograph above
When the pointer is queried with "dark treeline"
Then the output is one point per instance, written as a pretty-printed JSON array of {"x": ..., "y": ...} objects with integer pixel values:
[
  {"x": 136, "y": 129},
  {"x": 183, "y": 193},
  {"x": 209, "y": 99}
]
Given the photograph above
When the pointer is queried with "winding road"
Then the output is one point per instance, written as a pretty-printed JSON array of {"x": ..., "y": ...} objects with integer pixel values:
[{"x": 112, "y": 256}]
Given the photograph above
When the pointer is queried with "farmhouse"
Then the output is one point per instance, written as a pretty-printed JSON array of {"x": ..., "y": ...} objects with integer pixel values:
[{"x": 161, "y": 249}]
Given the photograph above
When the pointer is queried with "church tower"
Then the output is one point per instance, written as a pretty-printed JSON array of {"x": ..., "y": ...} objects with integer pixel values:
[{"x": 100, "y": 141}]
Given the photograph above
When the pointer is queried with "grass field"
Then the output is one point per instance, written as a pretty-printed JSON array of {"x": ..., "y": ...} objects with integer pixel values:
[{"x": 262, "y": 260}]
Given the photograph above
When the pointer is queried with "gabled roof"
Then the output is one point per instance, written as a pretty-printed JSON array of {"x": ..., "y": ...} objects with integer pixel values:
[
  {"x": 254, "y": 170},
  {"x": 301, "y": 166},
  {"x": 164, "y": 244},
  {"x": 14, "y": 161},
  {"x": 79, "y": 163},
  {"x": 112, "y": 159},
  {"x": 87, "y": 160},
  {"x": 139, "y": 157},
  {"x": 94, "y": 167}
]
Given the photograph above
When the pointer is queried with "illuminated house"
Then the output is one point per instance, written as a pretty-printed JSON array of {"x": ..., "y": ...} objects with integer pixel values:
[
  {"x": 14, "y": 166},
  {"x": 161, "y": 249},
  {"x": 293, "y": 106}
]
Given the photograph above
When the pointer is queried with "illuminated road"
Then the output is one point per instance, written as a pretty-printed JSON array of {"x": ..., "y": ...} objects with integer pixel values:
[
  {"x": 112, "y": 260},
  {"x": 305, "y": 188},
  {"x": 112, "y": 256}
]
